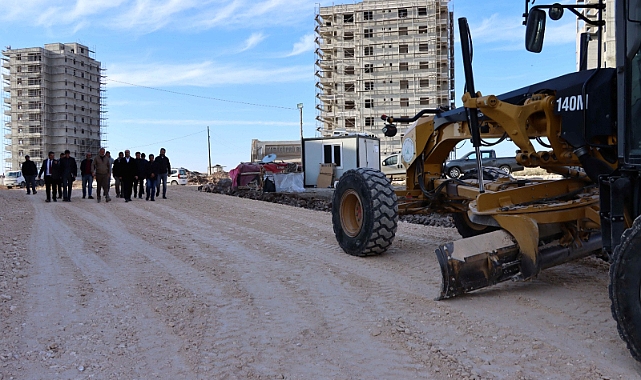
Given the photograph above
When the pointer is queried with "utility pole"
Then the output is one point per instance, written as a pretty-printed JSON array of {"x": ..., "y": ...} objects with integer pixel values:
[
  {"x": 300, "y": 108},
  {"x": 209, "y": 150}
]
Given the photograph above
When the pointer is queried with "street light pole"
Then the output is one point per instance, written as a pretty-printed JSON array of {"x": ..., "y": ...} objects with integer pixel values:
[
  {"x": 209, "y": 150},
  {"x": 300, "y": 108}
]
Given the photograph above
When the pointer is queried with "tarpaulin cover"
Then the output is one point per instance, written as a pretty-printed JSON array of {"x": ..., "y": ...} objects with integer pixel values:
[
  {"x": 289, "y": 183},
  {"x": 242, "y": 180}
]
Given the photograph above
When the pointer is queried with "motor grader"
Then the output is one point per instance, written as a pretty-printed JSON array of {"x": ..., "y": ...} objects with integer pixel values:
[{"x": 588, "y": 124}]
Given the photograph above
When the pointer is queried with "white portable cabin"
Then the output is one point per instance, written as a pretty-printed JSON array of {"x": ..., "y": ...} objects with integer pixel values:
[{"x": 346, "y": 152}]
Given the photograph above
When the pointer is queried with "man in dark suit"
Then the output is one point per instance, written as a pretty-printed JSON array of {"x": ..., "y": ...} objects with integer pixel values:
[
  {"x": 68, "y": 172},
  {"x": 128, "y": 174},
  {"x": 118, "y": 175},
  {"x": 30, "y": 171},
  {"x": 59, "y": 182},
  {"x": 51, "y": 169}
]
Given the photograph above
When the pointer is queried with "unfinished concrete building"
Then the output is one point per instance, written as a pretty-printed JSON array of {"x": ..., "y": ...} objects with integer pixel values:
[
  {"x": 52, "y": 102},
  {"x": 589, "y": 33},
  {"x": 393, "y": 57}
]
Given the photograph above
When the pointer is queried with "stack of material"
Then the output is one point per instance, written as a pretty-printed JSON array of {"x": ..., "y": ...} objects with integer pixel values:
[{"x": 196, "y": 178}]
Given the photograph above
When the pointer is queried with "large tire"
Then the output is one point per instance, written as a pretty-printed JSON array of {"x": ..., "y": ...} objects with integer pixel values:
[
  {"x": 466, "y": 228},
  {"x": 625, "y": 288},
  {"x": 364, "y": 212},
  {"x": 506, "y": 168}
]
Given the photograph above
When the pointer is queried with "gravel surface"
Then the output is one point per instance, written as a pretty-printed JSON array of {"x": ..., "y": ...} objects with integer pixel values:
[{"x": 209, "y": 286}]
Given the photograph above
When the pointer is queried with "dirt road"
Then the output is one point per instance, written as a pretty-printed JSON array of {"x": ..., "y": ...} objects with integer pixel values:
[{"x": 206, "y": 286}]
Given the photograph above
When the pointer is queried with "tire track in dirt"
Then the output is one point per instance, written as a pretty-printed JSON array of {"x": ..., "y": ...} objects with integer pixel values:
[
  {"x": 288, "y": 311},
  {"x": 247, "y": 289},
  {"x": 90, "y": 311},
  {"x": 559, "y": 341},
  {"x": 287, "y": 245}
]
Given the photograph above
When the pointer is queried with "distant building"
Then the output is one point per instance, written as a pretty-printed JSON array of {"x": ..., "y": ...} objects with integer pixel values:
[
  {"x": 217, "y": 168},
  {"x": 287, "y": 151},
  {"x": 52, "y": 102},
  {"x": 608, "y": 49},
  {"x": 393, "y": 57}
]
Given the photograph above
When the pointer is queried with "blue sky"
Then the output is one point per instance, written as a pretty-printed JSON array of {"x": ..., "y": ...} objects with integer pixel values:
[{"x": 247, "y": 52}]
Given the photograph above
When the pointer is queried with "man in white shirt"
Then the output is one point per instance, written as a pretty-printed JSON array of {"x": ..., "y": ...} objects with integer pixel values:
[{"x": 51, "y": 169}]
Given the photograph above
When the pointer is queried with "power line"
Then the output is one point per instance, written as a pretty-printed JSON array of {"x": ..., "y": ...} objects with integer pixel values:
[
  {"x": 161, "y": 142},
  {"x": 202, "y": 97}
]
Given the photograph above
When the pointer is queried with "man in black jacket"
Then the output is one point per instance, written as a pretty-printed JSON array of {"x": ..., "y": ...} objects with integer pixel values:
[
  {"x": 86, "y": 175},
  {"x": 29, "y": 171},
  {"x": 117, "y": 174},
  {"x": 68, "y": 172},
  {"x": 151, "y": 175},
  {"x": 165, "y": 169},
  {"x": 59, "y": 182},
  {"x": 51, "y": 169},
  {"x": 128, "y": 174},
  {"x": 138, "y": 184}
]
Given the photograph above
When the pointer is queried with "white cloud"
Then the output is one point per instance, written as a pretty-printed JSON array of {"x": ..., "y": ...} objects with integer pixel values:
[
  {"x": 146, "y": 16},
  {"x": 252, "y": 41},
  {"x": 150, "y": 15},
  {"x": 508, "y": 33},
  {"x": 198, "y": 123},
  {"x": 202, "y": 74},
  {"x": 305, "y": 44}
]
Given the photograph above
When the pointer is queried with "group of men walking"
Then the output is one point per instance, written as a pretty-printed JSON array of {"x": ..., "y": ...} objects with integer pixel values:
[{"x": 130, "y": 174}]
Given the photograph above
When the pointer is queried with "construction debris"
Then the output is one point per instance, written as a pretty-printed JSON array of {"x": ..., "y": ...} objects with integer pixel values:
[{"x": 313, "y": 200}]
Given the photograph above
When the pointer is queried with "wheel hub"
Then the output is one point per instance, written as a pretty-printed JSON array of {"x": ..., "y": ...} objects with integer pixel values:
[{"x": 351, "y": 212}]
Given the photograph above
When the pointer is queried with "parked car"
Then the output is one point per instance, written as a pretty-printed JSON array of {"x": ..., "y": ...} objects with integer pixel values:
[
  {"x": 14, "y": 178},
  {"x": 454, "y": 168},
  {"x": 392, "y": 166},
  {"x": 177, "y": 176}
]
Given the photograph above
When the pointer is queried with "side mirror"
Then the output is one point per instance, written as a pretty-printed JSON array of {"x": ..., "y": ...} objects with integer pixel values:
[{"x": 535, "y": 30}]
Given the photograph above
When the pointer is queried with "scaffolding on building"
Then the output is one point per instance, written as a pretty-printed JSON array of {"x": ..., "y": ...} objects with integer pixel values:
[
  {"x": 608, "y": 48},
  {"x": 382, "y": 57},
  {"x": 53, "y": 100},
  {"x": 104, "y": 135},
  {"x": 6, "y": 115}
]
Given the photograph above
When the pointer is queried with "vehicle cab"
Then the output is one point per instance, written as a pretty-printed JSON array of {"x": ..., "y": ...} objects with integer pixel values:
[{"x": 14, "y": 178}]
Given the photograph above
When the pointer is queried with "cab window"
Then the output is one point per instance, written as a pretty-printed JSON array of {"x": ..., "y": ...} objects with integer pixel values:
[{"x": 391, "y": 161}]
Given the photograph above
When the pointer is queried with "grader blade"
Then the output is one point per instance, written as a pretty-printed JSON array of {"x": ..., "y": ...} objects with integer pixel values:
[
  {"x": 484, "y": 260},
  {"x": 477, "y": 262}
]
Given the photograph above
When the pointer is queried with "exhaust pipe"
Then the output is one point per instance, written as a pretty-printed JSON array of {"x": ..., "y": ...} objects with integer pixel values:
[{"x": 484, "y": 260}]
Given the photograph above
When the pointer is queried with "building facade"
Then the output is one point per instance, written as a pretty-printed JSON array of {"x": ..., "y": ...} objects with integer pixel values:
[
  {"x": 52, "y": 102},
  {"x": 393, "y": 57},
  {"x": 608, "y": 47},
  {"x": 287, "y": 151}
]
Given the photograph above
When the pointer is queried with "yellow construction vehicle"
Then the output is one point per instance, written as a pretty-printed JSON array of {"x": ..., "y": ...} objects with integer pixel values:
[{"x": 590, "y": 125}]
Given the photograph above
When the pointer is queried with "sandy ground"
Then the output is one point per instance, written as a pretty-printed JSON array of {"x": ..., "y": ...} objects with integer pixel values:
[{"x": 206, "y": 286}]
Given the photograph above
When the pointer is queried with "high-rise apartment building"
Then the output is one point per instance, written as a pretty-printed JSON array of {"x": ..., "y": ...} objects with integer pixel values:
[
  {"x": 393, "y": 57},
  {"x": 52, "y": 102},
  {"x": 608, "y": 47}
]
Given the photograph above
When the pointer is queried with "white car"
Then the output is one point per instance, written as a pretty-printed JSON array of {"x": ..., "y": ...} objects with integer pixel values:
[
  {"x": 14, "y": 178},
  {"x": 177, "y": 176},
  {"x": 392, "y": 166}
]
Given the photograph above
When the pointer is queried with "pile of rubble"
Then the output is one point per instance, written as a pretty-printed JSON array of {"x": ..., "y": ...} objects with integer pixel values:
[{"x": 312, "y": 201}]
